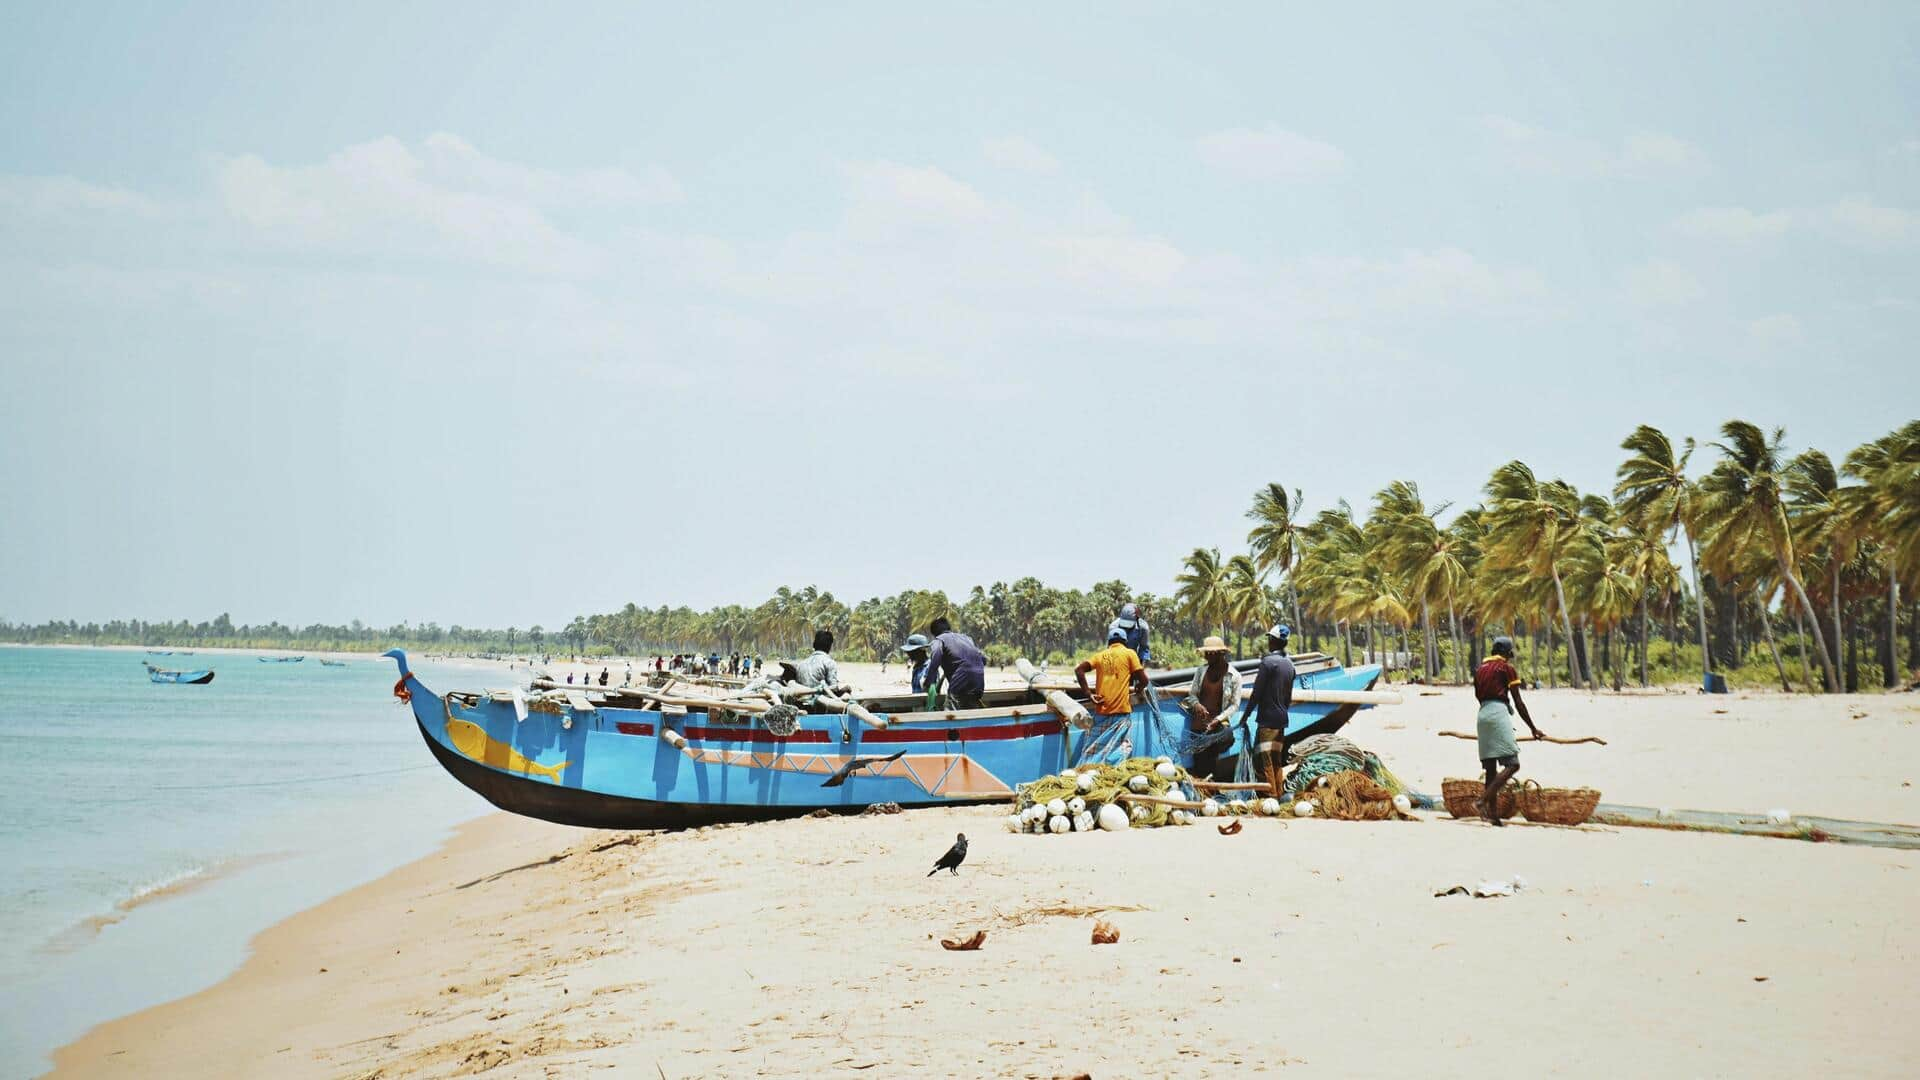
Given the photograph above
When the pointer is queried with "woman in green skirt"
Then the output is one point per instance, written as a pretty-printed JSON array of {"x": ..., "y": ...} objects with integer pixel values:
[{"x": 1496, "y": 683}]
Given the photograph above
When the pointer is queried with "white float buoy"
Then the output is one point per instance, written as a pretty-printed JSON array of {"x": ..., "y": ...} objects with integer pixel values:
[
  {"x": 1058, "y": 823},
  {"x": 1167, "y": 769},
  {"x": 1112, "y": 818},
  {"x": 1139, "y": 812},
  {"x": 1779, "y": 817},
  {"x": 1083, "y": 822},
  {"x": 1303, "y": 808},
  {"x": 1137, "y": 784},
  {"x": 1056, "y": 807},
  {"x": 1403, "y": 804},
  {"x": 1076, "y": 804},
  {"x": 1071, "y": 774},
  {"x": 1162, "y": 760},
  {"x": 1085, "y": 781},
  {"x": 1210, "y": 808},
  {"x": 1014, "y": 822},
  {"x": 1270, "y": 806}
]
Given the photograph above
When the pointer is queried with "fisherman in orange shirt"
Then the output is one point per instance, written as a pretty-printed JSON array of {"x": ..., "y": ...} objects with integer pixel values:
[{"x": 1117, "y": 670}]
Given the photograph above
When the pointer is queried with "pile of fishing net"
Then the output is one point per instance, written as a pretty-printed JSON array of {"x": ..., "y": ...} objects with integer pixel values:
[
  {"x": 1087, "y": 798},
  {"x": 1354, "y": 796},
  {"x": 1327, "y": 755}
]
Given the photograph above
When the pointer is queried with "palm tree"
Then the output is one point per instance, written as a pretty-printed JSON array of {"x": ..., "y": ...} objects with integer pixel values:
[
  {"x": 1274, "y": 539},
  {"x": 1530, "y": 523},
  {"x": 1247, "y": 598},
  {"x": 1889, "y": 506},
  {"x": 1426, "y": 557},
  {"x": 1741, "y": 507},
  {"x": 1201, "y": 592},
  {"x": 1653, "y": 489}
]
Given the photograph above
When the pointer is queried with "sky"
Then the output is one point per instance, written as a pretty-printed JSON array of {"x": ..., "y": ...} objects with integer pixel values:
[{"x": 495, "y": 314}]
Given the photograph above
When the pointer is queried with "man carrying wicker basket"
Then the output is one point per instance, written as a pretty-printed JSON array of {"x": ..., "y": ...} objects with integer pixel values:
[{"x": 1496, "y": 683}]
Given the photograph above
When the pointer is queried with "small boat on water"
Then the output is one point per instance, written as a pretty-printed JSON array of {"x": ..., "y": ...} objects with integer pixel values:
[
  {"x": 193, "y": 678},
  {"x": 324, "y": 662},
  {"x": 281, "y": 659},
  {"x": 160, "y": 652},
  {"x": 646, "y": 757}
]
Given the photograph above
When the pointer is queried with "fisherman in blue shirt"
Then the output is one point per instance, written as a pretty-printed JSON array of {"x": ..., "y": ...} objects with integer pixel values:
[
  {"x": 1134, "y": 628},
  {"x": 916, "y": 651}
]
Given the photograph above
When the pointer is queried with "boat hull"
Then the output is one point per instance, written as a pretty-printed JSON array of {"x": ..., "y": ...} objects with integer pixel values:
[
  {"x": 608, "y": 766},
  {"x": 183, "y": 678}
]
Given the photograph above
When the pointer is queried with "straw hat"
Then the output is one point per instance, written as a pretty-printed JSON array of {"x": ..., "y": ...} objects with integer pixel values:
[{"x": 1213, "y": 644}]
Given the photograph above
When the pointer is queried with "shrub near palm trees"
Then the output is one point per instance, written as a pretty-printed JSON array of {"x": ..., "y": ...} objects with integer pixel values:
[{"x": 1741, "y": 506}]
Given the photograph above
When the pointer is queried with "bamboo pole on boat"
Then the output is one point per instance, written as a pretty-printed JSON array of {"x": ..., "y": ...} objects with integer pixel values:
[
  {"x": 1301, "y": 695},
  {"x": 852, "y": 708},
  {"x": 1068, "y": 709}
]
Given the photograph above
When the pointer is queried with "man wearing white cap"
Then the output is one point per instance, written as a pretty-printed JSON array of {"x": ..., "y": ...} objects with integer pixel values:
[
  {"x": 1271, "y": 698},
  {"x": 1134, "y": 630}
]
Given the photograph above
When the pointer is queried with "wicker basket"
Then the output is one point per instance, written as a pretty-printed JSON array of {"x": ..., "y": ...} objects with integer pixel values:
[
  {"x": 1557, "y": 806},
  {"x": 1460, "y": 795}
]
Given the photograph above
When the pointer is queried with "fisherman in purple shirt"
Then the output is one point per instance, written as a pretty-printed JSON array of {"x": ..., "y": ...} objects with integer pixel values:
[{"x": 955, "y": 656}]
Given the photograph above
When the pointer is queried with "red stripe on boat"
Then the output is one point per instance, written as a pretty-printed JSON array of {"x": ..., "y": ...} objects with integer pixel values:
[{"x": 628, "y": 728}]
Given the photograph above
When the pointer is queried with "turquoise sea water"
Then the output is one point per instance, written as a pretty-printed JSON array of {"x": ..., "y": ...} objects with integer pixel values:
[{"x": 147, "y": 831}]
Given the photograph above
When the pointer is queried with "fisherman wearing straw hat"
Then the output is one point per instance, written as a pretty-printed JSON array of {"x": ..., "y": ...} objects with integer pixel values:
[
  {"x": 1209, "y": 706},
  {"x": 1271, "y": 698}
]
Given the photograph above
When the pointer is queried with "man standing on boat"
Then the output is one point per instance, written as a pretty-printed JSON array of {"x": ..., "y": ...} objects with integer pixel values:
[
  {"x": 1117, "y": 671},
  {"x": 955, "y": 657},
  {"x": 818, "y": 670},
  {"x": 1271, "y": 698},
  {"x": 1134, "y": 629},
  {"x": 1209, "y": 706},
  {"x": 1496, "y": 683}
]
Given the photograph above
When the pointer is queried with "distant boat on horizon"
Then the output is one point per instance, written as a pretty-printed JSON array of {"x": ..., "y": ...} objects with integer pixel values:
[
  {"x": 333, "y": 663},
  {"x": 159, "y": 652},
  {"x": 281, "y": 659},
  {"x": 188, "y": 678}
]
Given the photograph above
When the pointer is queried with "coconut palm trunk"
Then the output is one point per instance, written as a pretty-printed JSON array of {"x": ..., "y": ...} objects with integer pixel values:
[
  {"x": 1890, "y": 679},
  {"x": 1453, "y": 621},
  {"x": 1800, "y": 632},
  {"x": 1834, "y": 593},
  {"x": 1806, "y": 605},
  {"x": 1643, "y": 640},
  {"x": 1766, "y": 628},
  {"x": 1700, "y": 602},
  {"x": 1566, "y": 623}
]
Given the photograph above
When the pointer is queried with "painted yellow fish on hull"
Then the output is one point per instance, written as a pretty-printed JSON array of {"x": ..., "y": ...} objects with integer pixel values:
[{"x": 472, "y": 740}]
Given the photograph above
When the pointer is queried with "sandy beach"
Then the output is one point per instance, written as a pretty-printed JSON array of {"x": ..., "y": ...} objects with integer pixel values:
[{"x": 809, "y": 947}]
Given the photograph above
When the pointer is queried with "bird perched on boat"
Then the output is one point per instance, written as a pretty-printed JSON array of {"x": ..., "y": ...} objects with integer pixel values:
[
  {"x": 950, "y": 862},
  {"x": 840, "y": 775}
]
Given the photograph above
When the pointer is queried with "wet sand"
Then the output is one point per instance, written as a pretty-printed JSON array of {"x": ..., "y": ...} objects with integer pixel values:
[{"x": 809, "y": 947}]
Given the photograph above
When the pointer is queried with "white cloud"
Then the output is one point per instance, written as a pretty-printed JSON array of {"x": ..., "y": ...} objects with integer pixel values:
[
  {"x": 453, "y": 162},
  {"x": 889, "y": 191},
  {"x": 1863, "y": 221},
  {"x": 445, "y": 201},
  {"x": 1638, "y": 155},
  {"x": 1777, "y": 329},
  {"x": 43, "y": 198},
  {"x": 1020, "y": 155},
  {"x": 1272, "y": 154},
  {"x": 1736, "y": 223},
  {"x": 1659, "y": 283}
]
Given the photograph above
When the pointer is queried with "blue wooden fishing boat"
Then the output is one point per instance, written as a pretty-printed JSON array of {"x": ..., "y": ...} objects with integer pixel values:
[
  {"x": 281, "y": 659},
  {"x": 641, "y": 758},
  {"x": 195, "y": 678},
  {"x": 324, "y": 662}
]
